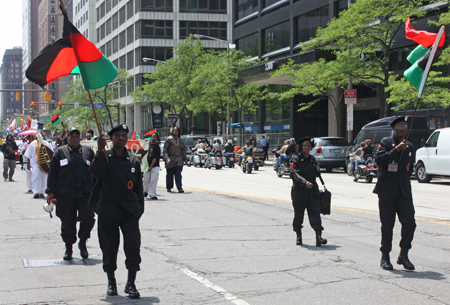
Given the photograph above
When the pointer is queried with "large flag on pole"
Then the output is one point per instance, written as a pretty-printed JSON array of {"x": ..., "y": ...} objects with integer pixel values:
[
  {"x": 72, "y": 54},
  {"x": 423, "y": 56}
]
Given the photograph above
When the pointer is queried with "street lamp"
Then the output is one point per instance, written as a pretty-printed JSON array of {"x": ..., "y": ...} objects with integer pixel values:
[
  {"x": 229, "y": 47},
  {"x": 145, "y": 59}
]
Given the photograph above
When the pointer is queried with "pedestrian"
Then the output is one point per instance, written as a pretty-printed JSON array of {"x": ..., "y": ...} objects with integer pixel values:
[
  {"x": 89, "y": 134},
  {"x": 9, "y": 149},
  {"x": 118, "y": 200},
  {"x": 265, "y": 146},
  {"x": 395, "y": 157},
  {"x": 305, "y": 191},
  {"x": 175, "y": 156},
  {"x": 25, "y": 146},
  {"x": 151, "y": 176},
  {"x": 39, "y": 156},
  {"x": 70, "y": 182}
]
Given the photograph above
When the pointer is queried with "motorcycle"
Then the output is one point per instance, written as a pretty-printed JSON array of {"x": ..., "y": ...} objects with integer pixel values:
[
  {"x": 258, "y": 155},
  {"x": 215, "y": 161},
  {"x": 229, "y": 160},
  {"x": 247, "y": 164},
  {"x": 284, "y": 168},
  {"x": 367, "y": 170},
  {"x": 200, "y": 158}
]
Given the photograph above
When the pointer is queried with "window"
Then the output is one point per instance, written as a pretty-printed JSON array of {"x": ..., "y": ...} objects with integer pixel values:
[
  {"x": 432, "y": 142},
  {"x": 53, "y": 28},
  {"x": 52, "y": 9},
  {"x": 52, "y": 18},
  {"x": 130, "y": 60},
  {"x": 308, "y": 23},
  {"x": 122, "y": 15},
  {"x": 269, "y": 2},
  {"x": 114, "y": 3},
  {"x": 115, "y": 21},
  {"x": 276, "y": 37},
  {"x": 245, "y": 7},
  {"x": 130, "y": 34},
  {"x": 87, "y": 15},
  {"x": 108, "y": 6},
  {"x": 108, "y": 26},
  {"x": 154, "y": 29},
  {"x": 115, "y": 44},
  {"x": 102, "y": 10},
  {"x": 122, "y": 42},
  {"x": 157, "y": 53},
  {"x": 249, "y": 45},
  {"x": 102, "y": 31},
  {"x": 130, "y": 11},
  {"x": 52, "y": 37},
  {"x": 204, "y": 6},
  {"x": 213, "y": 29},
  {"x": 154, "y": 5},
  {"x": 108, "y": 49}
]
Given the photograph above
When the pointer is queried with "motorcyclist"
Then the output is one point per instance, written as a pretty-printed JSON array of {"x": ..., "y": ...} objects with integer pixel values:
[
  {"x": 357, "y": 154},
  {"x": 247, "y": 150},
  {"x": 215, "y": 149},
  {"x": 194, "y": 151},
  {"x": 228, "y": 149},
  {"x": 366, "y": 151},
  {"x": 286, "y": 152}
]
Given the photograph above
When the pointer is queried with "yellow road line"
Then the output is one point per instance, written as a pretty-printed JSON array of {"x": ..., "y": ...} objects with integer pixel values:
[{"x": 442, "y": 222}]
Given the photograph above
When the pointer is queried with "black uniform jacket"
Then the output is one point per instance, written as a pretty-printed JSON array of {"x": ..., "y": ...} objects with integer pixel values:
[
  {"x": 304, "y": 171},
  {"x": 69, "y": 176},
  {"x": 393, "y": 184},
  {"x": 119, "y": 182}
]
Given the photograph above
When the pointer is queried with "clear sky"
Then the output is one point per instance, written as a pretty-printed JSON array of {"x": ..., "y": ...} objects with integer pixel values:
[{"x": 10, "y": 25}]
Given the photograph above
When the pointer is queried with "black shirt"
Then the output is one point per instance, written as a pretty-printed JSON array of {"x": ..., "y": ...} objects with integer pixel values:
[
  {"x": 229, "y": 148},
  {"x": 154, "y": 152},
  {"x": 367, "y": 151},
  {"x": 8, "y": 148}
]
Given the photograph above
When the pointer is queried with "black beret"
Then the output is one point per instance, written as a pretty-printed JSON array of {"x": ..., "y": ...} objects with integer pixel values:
[
  {"x": 304, "y": 139},
  {"x": 120, "y": 127},
  {"x": 399, "y": 119}
]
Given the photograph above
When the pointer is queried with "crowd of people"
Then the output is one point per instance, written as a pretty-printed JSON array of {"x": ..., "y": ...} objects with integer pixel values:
[{"x": 111, "y": 184}]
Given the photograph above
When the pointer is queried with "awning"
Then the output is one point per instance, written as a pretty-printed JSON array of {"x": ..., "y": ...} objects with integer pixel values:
[{"x": 236, "y": 125}]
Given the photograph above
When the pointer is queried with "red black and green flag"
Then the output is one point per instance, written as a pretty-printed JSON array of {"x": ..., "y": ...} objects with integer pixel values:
[
  {"x": 55, "y": 119},
  {"x": 72, "y": 54},
  {"x": 421, "y": 54}
]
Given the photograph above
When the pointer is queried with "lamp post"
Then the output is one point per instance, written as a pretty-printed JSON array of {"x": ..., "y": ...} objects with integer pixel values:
[
  {"x": 229, "y": 47},
  {"x": 145, "y": 59}
]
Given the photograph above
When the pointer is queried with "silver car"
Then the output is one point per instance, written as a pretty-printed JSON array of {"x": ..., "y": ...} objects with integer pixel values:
[{"x": 330, "y": 152}]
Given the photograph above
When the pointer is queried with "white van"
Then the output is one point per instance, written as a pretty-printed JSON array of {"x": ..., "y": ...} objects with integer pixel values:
[{"x": 433, "y": 159}]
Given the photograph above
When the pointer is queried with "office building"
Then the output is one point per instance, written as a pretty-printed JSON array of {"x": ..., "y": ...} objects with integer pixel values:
[{"x": 11, "y": 78}]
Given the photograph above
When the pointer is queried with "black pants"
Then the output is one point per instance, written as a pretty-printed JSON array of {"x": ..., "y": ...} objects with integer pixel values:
[
  {"x": 313, "y": 207},
  {"x": 266, "y": 152},
  {"x": 71, "y": 211},
  {"x": 171, "y": 172},
  {"x": 404, "y": 208},
  {"x": 109, "y": 237}
]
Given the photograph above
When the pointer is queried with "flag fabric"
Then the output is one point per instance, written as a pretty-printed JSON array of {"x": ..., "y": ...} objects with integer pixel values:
[
  {"x": 148, "y": 134},
  {"x": 22, "y": 125},
  {"x": 55, "y": 120},
  {"x": 36, "y": 125},
  {"x": 72, "y": 54},
  {"x": 135, "y": 136},
  {"x": 13, "y": 125},
  {"x": 422, "y": 54},
  {"x": 27, "y": 125}
]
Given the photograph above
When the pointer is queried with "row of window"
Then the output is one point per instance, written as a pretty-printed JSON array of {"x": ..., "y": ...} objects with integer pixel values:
[
  {"x": 12, "y": 110},
  {"x": 80, "y": 5},
  {"x": 278, "y": 36},
  {"x": 83, "y": 19},
  {"x": 162, "y": 29},
  {"x": 190, "y": 6}
]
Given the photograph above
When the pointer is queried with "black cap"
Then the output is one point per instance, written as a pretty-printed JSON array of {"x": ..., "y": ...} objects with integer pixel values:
[
  {"x": 72, "y": 130},
  {"x": 399, "y": 119},
  {"x": 304, "y": 139},
  {"x": 120, "y": 127}
]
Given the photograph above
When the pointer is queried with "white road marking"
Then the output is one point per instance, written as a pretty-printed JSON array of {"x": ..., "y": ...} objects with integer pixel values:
[{"x": 228, "y": 296}]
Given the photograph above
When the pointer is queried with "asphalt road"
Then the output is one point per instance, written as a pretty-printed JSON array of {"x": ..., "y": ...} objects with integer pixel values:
[{"x": 228, "y": 240}]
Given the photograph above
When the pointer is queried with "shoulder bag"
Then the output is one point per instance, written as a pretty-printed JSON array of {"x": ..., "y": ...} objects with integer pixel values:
[{"x": 325, "y": 199}]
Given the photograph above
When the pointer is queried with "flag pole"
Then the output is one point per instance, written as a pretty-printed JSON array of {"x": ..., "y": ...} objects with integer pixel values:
[{"x": 425, "y": 76}]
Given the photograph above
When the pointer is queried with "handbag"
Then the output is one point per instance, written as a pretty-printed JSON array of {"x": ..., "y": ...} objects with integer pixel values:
[{"x": 325, "y": 199}]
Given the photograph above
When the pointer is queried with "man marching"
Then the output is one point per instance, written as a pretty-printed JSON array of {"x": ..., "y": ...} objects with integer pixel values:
[
  {"x": 395, "y": 157},
  {"x": 70, "y": 182}
]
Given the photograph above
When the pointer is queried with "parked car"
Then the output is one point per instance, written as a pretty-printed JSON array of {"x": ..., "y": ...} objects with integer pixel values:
[
  {"x": 433, "y": 159},
  {"x": 381, "y": 128},
  {"x": 330, "y": 152}
]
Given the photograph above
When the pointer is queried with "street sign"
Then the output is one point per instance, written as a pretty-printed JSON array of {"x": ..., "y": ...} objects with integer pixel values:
[
  {"x": 97, "y": 105},
  {"x": 350, "y": 117},
  {"x": 248, "y": 116},
  {"x": 350, "y": 96},
  {"x": 46, "y": 117},
  {"x": 173, "y": 116},
  {"x": 76, "y": 104}
]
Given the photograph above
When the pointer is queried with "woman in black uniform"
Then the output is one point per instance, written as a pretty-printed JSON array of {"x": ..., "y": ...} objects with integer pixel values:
[{"x": 305, "y": 191}]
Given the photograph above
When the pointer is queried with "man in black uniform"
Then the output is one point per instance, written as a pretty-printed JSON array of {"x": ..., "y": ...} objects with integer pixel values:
[
  {"x": 118, "y": 199},
  {"x": 70, "y": 182},
  {"x": 395, "y": 157}
]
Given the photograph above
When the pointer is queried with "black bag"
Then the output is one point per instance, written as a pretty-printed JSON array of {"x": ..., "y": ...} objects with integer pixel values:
[{"x": 325, "y": 199}]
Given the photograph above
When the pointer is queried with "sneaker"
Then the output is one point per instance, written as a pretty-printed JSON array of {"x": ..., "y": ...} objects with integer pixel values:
[
  {"x": 11, "y": 180},
  {"x": 36, "y": 196},
  {"x": 41, "y": 196},
  {"x": 154, "y": 198},
  {"x": 145, "y": 194}
]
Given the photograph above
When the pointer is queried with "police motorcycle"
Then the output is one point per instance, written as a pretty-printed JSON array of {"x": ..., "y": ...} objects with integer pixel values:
[
  {"x": 216, "y": 161},
  {"x": 200, "y": 158},
  {"x": 367, "y": 170}
]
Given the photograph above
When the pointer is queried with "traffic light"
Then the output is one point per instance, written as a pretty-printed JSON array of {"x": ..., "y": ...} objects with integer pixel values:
[
  {"x": 33, "y": 106},
  {"x": 17, "y": 96},
  {"x": 7, "y": 117},
  {"x": 60, "y": 105},
  {"x": 49, "y": 96},
  {"x": 45, "y": 96}
]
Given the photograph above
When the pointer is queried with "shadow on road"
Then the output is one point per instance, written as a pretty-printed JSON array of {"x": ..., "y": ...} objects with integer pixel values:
[
  {"x": 118, "y": 299},
  {"x": 429, "y": 275},
  {"x": 322, "y": 248}
]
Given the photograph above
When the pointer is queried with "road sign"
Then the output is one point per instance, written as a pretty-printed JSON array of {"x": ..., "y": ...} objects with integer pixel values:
[
  {"x": 46, "y": 117},
  {"x": 248, "y": 116},
  {"x": 350, "y": 117},
  {"x": 350, "y": 96},
  {"x": 97, "y": 105},
  {"x": 173, "y": 116}
]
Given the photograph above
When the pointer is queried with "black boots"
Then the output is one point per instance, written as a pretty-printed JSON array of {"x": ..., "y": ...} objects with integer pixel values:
[
  {"x": 404, "y": 260},
  {"x": 299, "y": 241},
  {"x": 386, "y": 262},
  {"x": 130, "y": 288},
  {"x": 68, "y": 253},
  {"x": 112, "y": 286},
  {"x": 319, "y": 240},
  {"x": 82, "y": 246}
]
